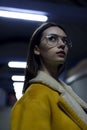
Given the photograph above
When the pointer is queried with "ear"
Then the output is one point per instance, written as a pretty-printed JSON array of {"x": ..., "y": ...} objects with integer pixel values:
[{"x": 36, "y": 50}]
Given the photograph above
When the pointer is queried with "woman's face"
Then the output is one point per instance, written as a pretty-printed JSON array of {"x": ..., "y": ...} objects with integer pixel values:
[{"x": 53, "y": 47}]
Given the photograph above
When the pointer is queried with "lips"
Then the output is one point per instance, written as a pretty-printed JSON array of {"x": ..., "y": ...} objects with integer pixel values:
[{"x": 61, "y": 53}]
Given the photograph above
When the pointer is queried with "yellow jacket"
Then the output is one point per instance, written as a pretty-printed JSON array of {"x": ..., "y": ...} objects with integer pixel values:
[{"x": 45, "y": 108}]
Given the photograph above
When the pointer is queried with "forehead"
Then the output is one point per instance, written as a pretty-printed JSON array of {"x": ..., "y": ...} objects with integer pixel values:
[{"x": 54, "y": 30}]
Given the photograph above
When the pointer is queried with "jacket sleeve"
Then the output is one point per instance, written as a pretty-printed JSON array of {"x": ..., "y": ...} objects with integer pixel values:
[{"x": 32, "y": 115}]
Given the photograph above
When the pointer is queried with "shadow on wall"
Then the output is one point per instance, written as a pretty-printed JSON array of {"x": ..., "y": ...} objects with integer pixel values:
[{"x": 77, "y": 79}]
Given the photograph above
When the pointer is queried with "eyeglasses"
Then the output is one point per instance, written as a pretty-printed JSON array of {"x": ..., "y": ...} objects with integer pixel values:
[{"x": 53, "y": 40}]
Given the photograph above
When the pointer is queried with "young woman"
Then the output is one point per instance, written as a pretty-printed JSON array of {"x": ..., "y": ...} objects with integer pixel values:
[{"x": 48, "y": 103}]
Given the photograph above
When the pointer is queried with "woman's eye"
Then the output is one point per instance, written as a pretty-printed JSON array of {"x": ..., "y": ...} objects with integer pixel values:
[{"x": 52, "y": 38}]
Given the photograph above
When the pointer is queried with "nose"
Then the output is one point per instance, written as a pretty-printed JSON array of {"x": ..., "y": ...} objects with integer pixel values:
[{"x": 61, "y": 43}]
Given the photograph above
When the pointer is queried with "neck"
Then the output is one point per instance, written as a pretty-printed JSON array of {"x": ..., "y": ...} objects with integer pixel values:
[{"x": 51, "y": 70}]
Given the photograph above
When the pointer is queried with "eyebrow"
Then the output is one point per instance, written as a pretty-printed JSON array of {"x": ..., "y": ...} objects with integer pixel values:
[{"x": 57, "y": 35}]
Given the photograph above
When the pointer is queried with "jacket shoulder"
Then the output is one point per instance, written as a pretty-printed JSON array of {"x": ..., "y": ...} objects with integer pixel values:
[{"x": 36, "y": 91}]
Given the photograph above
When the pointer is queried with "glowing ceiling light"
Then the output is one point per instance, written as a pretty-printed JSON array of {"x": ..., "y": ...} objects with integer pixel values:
[
  {"x": 16, "y": 64},
  {"x": 18, "y": 87},
  {"x": 17, "y": 78},
  {"x": 22, "y": 14}
]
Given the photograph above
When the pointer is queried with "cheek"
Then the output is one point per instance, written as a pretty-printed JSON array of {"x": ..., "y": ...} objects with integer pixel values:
[
  {"x": 47, "y": 54},
  {"x": 44, "y": 50}
]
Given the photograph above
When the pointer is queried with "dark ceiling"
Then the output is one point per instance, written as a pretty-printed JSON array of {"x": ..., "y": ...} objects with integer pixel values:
[{"x": 15, "y": 34}]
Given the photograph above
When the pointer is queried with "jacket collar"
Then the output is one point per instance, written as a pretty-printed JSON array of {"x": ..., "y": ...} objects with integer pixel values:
[{"x": 68, "y": 97}]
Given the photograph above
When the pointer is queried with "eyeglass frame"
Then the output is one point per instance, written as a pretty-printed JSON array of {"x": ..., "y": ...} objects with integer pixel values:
[{"x": 69, "y": 44}]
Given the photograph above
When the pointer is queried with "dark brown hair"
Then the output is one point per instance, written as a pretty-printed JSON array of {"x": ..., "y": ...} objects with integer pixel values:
[{"x": 33, "y": 62}]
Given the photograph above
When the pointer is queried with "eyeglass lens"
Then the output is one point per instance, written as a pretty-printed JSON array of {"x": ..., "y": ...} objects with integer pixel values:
[{"x": 53, "y": 39}]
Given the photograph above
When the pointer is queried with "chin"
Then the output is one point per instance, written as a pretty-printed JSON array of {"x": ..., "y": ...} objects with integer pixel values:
[{"x": 61, "y": 60}]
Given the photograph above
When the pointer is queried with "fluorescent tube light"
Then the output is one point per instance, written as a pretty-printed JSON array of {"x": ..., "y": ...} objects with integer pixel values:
[
  {"x": 18, "y": 87},
  {"x": 22, "y": 14},
  {"x": 15, "y": 64},
  {"x": 17, "y": 78}
]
